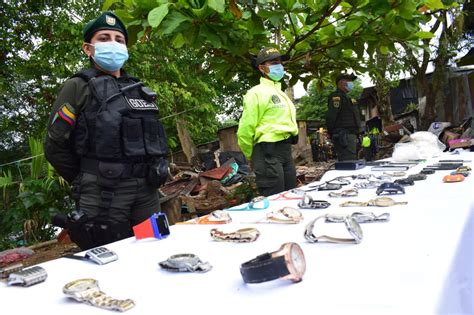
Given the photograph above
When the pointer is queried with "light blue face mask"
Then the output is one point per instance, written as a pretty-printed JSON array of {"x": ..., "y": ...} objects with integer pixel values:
[
  {"x": 276, "y": 72},
  {"x": 350, "y": 86},
  {"x": 110, "y": 56}
]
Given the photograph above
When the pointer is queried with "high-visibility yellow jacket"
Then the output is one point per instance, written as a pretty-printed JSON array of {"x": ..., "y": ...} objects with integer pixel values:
[{"x": 269, "y": 116}]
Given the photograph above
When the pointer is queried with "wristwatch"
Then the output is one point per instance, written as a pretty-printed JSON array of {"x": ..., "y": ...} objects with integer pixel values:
[
  {"x": 185, "y": 263},
  {"x": 352, "y": 227},
  {"x": 287, "y": 262},
  {"x": 27, "y": 277},
  {"x": 377, "y": 202},
  {"x": 308, "y": 203},
  {"x": 88, "y": 291},
  {"x": 240, "y": 236},
  {"x": 360, "y": 217}
]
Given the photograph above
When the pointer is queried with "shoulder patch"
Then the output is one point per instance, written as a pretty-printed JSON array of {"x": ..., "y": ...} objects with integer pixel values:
[
  {"x": 66, "y": 113},
  {"x": 336, "y": 101}
]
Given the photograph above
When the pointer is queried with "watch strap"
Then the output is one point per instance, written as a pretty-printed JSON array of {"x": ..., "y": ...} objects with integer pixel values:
[
  {"x": 334, "y": 239},
  {"x": 264, "y": 268},
  {"x": 102, "y": 300}
]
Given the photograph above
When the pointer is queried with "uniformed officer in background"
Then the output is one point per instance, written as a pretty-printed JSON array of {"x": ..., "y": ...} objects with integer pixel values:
[
  {"x": 105, "y": 138},
  {"x": 268, "y": 126},
  {"x": 343, "y": 119}
]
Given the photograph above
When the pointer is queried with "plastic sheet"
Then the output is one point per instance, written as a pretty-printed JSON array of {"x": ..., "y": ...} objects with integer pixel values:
[{"x": 423, "y": 145}]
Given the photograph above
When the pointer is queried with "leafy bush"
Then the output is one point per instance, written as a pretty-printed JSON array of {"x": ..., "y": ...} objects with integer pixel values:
[{"x": 29, "y": 201}]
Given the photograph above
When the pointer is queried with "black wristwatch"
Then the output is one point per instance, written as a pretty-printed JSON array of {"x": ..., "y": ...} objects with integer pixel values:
[{"x": 287, "y": 262}]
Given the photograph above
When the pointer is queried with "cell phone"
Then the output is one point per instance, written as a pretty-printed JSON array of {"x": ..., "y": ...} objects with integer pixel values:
[{"x": 101, "y": 255}]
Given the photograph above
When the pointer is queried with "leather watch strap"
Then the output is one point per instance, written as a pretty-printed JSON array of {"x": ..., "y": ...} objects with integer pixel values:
[{"x": 264, "y": 268}]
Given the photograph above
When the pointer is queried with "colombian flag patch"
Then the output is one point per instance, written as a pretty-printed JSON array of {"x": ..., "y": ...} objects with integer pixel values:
[{"x": 67, "y": 114}]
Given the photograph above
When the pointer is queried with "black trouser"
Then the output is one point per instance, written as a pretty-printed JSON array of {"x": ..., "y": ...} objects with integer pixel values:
[
  {"x": 274, "y": 167},
  {"x": 118, "y": 208},
  {"x": 345, "y": 145}
]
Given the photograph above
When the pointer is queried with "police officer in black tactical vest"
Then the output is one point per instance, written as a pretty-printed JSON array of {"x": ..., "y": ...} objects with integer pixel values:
[
  {"x": 343, "y": 119},
  {"x": 105, "y": 139}
]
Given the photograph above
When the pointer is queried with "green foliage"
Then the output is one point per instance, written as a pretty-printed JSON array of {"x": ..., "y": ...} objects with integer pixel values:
[
  {"x": 29, "y": 202},
  {"x": 314, "y": 105},
  {"x": 322, "y": 37},
  {"x": 41, "y": 43}
]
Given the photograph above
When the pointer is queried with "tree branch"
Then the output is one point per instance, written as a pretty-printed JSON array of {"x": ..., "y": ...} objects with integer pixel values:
[
  {"x": 315, "y": 28},
  {"x": 292, "y": 25}
]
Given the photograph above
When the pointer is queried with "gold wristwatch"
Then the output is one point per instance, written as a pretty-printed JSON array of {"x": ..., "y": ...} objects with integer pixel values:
[
  {"x": 246, "y": 235},
  {"x": 88, "y": 291}
]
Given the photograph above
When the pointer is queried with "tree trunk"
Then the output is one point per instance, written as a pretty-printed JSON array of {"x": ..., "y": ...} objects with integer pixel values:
[
  {"x": 382, "y": 87},
  {"x": 187, "y": 143}
]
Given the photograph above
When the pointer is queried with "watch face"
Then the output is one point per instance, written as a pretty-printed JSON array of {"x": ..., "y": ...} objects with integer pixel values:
[
  {"x": 80, "y": 285},
  {"x": 162, "y": 223},
  {"x": 183, "y": 260},
  {"x": 219, "y": 215},
  {"x": 295, "y": 261},
  {"x": 297, "y": 257},
  {"x": 354, "y": 228}
]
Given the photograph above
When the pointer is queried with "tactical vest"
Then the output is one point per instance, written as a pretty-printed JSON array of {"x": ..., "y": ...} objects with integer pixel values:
[
  {"x": 120, "y": 123},
  {"x": 347, "y": 115}
]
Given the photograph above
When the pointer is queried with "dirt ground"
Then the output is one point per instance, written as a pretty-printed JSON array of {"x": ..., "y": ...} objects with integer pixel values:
[{"x": 50, "y": 252}]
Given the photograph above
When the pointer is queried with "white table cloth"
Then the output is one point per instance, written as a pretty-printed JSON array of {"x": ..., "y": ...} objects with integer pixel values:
[{"x": 421, "y": 262}]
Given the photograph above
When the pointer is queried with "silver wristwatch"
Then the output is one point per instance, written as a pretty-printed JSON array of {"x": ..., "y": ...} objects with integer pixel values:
[
  {"x": 27, "y": 277},
  {"x": 88, "y": 291},
  {"x": 185, "y": 263},
  {"x": 352, "y": 227}
]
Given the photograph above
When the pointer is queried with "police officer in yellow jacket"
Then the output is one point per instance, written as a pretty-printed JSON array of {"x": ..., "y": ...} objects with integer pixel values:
[
  {"x": 268, "y": 127},
  {"x": 105, "y": 138}
]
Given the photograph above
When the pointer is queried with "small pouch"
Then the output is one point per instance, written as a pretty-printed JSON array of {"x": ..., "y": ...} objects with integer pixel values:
[
  {"x": 107, "y": 130},
  {"x": 155, "y": 138},
  {"x": 132, "y": 137},
  {"x": 111, "y": 170}
]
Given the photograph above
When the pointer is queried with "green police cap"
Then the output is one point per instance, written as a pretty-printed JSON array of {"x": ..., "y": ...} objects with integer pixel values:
[
  {"x": 106, "y": 21},
  {"x": 269, "y": 53}
]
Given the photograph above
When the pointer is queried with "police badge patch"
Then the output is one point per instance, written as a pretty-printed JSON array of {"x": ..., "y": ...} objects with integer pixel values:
[
  {"x": 141, "y": 104},
  {"x": 276, "y": 99},
  {"x": 110, "y": 20},
  {"x": 336, "y": 101}
]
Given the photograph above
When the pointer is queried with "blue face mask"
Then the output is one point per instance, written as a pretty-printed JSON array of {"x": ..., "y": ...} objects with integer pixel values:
[
  {"x": 276, "y": 72},
  {"x": 350, "y": 86},
  {"x": 110, "y": 56}
]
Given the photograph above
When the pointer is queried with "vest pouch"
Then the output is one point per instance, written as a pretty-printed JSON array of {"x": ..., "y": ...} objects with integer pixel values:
[
  {"x": 81, "y": 134},
  {"x": 107, "y": 130},
  {"x": 158, "y": 172},
  {"x": 132, "y": 137},
  {"x": 155, "y": 138}
]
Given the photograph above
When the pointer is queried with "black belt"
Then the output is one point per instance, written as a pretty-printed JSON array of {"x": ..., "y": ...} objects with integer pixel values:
[{"x": 127, "y": 170}]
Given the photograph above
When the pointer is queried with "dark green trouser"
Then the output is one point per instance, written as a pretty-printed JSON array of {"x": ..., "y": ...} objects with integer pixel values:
[
  {"x": 111, "y": 212},
  {"x": 274, "y": 167},
  {"x": 346, "y": 149}
]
